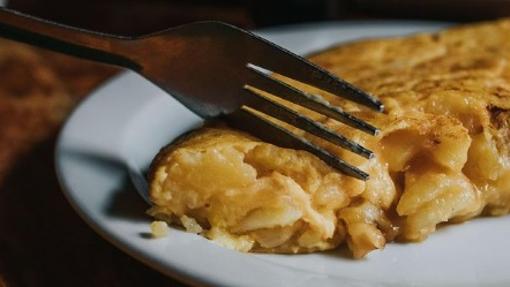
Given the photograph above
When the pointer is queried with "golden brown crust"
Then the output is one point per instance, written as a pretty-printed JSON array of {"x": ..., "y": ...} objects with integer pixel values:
[{"x": 462, "y": 72}]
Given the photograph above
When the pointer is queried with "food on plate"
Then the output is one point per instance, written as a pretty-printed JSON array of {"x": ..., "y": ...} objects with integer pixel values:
[
  {"x": 159, "y": 228},
  {"x": 442, "y": 154}
]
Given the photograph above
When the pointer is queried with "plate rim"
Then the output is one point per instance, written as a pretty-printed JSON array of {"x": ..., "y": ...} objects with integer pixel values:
[{"x": 181, "y": 275}]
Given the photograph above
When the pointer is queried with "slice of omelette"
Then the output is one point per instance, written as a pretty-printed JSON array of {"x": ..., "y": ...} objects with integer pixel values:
[{"x": 442, "y": 155}]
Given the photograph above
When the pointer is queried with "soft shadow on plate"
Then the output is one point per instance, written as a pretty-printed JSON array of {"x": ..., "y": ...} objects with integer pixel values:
[{"x": 126, "y": 201}]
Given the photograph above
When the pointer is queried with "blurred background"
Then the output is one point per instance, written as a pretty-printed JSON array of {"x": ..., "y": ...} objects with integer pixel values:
[
  {"x": 42, "y": 240},
  {"x": 135, "y": 16}
]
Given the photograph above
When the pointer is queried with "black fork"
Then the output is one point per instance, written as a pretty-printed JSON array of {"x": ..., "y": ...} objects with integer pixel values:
[{"x": 210, "y": 67}]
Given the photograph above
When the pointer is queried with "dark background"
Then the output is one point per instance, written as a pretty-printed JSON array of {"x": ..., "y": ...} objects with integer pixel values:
[
  {"x": 42, "y": 240},
  {"x": 142, "y": 16}
]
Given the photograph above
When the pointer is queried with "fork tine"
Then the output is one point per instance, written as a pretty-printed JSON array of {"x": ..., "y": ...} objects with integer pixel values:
[
  {"x": 277, "y": 59},
  {"x": 276, "y": 110},
  {"x": 247, "y": 120},
  {"x": 283, "y": 90}
]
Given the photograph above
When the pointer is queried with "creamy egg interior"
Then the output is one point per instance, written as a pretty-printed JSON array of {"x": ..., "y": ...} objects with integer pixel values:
[{"x": 442, "y": 155}]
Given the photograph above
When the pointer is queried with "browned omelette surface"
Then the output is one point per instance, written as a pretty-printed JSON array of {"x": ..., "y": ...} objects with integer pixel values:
[{"x": 442, "y": 155}]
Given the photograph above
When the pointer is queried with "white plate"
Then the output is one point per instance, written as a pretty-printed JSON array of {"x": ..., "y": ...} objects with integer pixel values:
[{"x": 112, "y": 136}]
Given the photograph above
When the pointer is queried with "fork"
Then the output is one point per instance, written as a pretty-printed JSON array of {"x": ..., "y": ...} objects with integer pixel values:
[{"x": 211, "y": 67}]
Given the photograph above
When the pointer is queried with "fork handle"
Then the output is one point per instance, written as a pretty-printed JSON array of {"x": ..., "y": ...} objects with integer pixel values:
[{"x": 105, "y": 48}]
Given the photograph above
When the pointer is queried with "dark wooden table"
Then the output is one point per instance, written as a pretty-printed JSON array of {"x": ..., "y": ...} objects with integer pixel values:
[{"x": 42, "y": 240}]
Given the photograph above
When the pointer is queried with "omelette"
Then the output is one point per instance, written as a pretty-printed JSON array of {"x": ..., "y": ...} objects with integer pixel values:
[{"x": 442, "y": 155}]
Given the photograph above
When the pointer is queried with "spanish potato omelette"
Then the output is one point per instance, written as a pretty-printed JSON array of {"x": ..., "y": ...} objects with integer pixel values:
[{"x": 442, "y": 155}]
